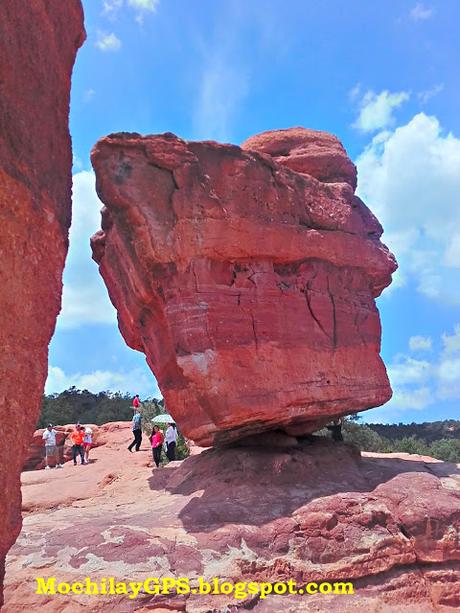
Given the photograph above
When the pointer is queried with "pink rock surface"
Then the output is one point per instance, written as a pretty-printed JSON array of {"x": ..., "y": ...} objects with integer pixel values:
[
  {"x": 38, "y": 43},
  {"x": 311, "y": 513},
  {"x": 249, "y": 286}
]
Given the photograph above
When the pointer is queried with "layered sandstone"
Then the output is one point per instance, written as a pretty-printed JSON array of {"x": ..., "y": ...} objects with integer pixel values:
[
  {"x": 38, "y": 43},
  {"x": 308, "y": 511},
  {"x": 248, "y": 284}
]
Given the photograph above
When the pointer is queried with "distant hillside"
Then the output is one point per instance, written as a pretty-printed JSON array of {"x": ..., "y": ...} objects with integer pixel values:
[{"x": 428, "y": 431}]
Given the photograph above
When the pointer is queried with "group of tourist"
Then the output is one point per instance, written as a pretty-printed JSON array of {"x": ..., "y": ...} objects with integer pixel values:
[
  {"x": 81, "y": 439},
  {"x": 158, "y": 440}
]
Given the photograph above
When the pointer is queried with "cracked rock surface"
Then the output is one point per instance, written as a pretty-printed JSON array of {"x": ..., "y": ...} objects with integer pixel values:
[
  {"x": 247, "y": 276},
  {"x": 38, "y": 43},
  {"x": 312, "y": 511}
]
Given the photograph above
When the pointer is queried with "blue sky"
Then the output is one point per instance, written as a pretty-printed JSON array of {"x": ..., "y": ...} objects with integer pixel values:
[{"x": 384, "y": 77}]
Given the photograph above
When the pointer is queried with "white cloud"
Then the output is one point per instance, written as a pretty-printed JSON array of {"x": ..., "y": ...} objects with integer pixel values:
[
  {"x": 223, "y": 77},
  {"x": 355, "y": 92},
  {"x": 223, "y": 87},
  {"x": 111, "y": 6},
  {"x": 144, "y": 5},
  {"x": 88, "y": 95},
  {"x": 102, "y": 380},
  {"x": 85, "y": 303},
  {"x": 449, "y": 370},
  {"x": 420, "y": 343},
  {"x": 417, "y": 399},
  {"x": 410, "y": 178},
  {"x": 452, "y": 253},
  {"x": 409, "y": 370},
  {"x": 418, "y": 384},
  {"x": 77, "y": 164},
  {"x": 452, "y": 343},
  {"x": 420, "y": 12},
  {"x": 376, "y": 110},
  {"x": 107, "y": 42},
  {"x": 427, "y": 94},
  {"x": 85, "y": 299}
]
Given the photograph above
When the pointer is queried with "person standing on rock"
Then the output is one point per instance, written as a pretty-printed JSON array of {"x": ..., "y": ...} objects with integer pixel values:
[
  {"x": 87, "y": 442},
  {"x": 171, "y": 439},
  {"x": 51, "y": 450},
  {"x": 136, "y": 402},
  {"x": 76, "y": 438},
  {"x": 137, "y": 430},
  {"x": 335, "y": 428},
  {"x": 156, "y": 440}
]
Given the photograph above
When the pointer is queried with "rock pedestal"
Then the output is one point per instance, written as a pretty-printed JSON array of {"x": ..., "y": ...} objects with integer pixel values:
[{"x": 312, "y": 511}]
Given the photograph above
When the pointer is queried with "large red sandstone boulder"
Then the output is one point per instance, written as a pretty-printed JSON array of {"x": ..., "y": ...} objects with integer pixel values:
[
  {"x": 38, "y": 43},
  {"x": 249, "y": 286}
]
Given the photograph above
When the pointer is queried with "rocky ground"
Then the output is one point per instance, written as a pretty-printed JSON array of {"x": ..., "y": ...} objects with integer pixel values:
[{"x": 271, "y": 511}]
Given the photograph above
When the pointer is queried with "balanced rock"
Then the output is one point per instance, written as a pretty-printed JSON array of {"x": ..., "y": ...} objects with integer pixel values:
[
  {"x": 38, "y": 43},
  {"x": 247, "y": 280}
]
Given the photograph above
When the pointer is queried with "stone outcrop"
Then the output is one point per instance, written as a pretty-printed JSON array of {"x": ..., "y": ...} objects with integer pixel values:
[
  {"x": 310, "y": 152},
  {"x": 312, "y": 511},
  {"x": 38, "y": 43},
  {"x": 247, "y": 276}
]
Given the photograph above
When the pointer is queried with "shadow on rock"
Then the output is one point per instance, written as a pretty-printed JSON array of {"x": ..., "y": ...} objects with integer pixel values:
[{"x": 257, "y": 484}]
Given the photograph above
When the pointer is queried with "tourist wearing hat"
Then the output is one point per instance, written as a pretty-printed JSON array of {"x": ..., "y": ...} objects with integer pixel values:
[{"x": 51, "y": 451}]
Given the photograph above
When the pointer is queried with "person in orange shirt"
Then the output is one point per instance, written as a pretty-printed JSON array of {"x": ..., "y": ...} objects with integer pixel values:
[{"x": 76, "y": 438}]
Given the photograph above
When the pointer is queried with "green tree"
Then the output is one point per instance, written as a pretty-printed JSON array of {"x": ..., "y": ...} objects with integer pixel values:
[
  {"x": 446, "y": 449},
  {"x": 363, "y": 437},
  {"x": 411, "y": 444}
]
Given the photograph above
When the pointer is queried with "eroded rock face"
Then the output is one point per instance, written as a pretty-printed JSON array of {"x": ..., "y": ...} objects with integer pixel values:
[
  {"x": 248, "y": 284},
  {"x": 316, "y": 511},
  {"x": 310, "y": 152},
  {"x": 38, "y": 43}
]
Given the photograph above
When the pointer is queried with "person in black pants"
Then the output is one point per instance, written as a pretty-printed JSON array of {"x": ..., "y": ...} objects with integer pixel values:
[
  {"x": 171, "y": 438},
  {"x": 137, "y": 431},
  {"x": 76, "y": 438},
  {"x": 156, "y": 440}
]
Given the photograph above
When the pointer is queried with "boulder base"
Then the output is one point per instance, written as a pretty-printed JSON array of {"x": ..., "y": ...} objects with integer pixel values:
[{"x": 314, "y": 512}]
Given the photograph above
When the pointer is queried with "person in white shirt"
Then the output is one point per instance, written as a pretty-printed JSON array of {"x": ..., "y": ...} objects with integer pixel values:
[
  {"x": 87, "y": 443},
  {"x": 51, "y": 450},
  {"x": 170, "y": 440}
]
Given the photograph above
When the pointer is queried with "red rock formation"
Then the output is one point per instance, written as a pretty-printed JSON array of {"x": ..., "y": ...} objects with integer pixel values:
[
  {"x": 314, "y": 512},
  {"x": 38, "y": 42},
  {"x": 249, "y": 286},
  {"x": 310, "y": 152}
]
